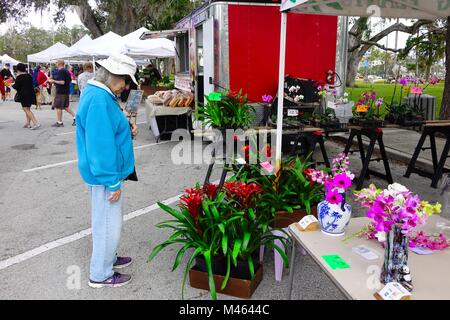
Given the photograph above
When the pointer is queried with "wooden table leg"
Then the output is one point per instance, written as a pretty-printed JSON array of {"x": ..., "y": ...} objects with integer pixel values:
[
  {"x": 385, "y": 159},
  {"x": 412, "y": 163},
  {"x": 440, "y": 167},
  {"x": 366, "y": 163}
]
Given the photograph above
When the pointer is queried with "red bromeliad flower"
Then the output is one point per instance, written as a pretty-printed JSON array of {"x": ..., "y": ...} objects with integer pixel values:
[
  {"x": 192, "y": 201},
  {"x": 246, "y": 150},
  {"x": 210, "y": 190},
  {"x": 242, "y": 192}
]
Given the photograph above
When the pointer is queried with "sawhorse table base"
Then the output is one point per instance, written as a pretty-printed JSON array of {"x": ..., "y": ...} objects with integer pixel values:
[
  {"x": 430, "y": 130},
  {"x": 375, "y": 135}
]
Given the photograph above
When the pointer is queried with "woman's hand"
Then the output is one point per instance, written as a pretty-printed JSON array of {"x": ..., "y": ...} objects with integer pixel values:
[
  {"x": 134, "y": 130},
  {"x": 115, "y": 196}
]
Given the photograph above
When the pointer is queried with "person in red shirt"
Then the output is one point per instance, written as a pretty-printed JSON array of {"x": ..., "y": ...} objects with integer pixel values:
[
  {"x": 41, "y": 96},
  {"x": 2, "y": 88}
]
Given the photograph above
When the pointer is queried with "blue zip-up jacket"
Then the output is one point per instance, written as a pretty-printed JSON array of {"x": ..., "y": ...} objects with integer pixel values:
[{"x": 104, "y": 144}]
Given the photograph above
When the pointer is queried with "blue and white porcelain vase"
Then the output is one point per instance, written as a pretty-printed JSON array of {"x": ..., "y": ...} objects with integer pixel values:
[{"x": 334, "y": 218}]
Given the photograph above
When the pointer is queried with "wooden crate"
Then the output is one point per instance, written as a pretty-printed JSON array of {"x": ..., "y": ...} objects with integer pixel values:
[{"x": 235, "y": 287}]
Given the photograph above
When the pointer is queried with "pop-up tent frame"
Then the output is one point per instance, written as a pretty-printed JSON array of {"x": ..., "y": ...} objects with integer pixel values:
[{"x": 412, "y": 9}]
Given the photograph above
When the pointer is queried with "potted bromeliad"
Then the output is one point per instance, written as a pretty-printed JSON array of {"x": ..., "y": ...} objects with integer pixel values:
[
  {"x": 222, "y": 230},
  {"x": 287, "y": 195},
  {"x": 226, "y": 111}
]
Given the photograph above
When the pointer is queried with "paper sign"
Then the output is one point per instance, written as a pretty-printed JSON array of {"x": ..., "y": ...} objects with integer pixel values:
[
  {"x": 267, "y": 166},
  {"x": 331, "y": 105},
  {"x": 336, "y": 262},
  {"x": 292, "y": 113},
  {"x": 393, "y": 291},
  {"x": 416, "y": 90},
  {"x": 240, "y": 161},
  {"x": 420, "y": 250},
  {"x": 365, "y": 252},
  {"x": 307, "y": 221},
  {"x": 215, "y": 96},
  {"x": 134, "y": 100}
]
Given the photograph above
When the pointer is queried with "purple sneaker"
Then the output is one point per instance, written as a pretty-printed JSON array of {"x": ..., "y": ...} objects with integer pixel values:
[
  {"x": 122, "y": 262},
  {"x": 116, "y": 280}
]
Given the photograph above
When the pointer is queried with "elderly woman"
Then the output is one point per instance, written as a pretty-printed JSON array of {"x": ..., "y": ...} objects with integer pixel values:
[{"x": 105, "y": 160}]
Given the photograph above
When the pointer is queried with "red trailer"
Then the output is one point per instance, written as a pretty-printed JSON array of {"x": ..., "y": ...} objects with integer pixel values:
[{"x": 236, "y": 45}]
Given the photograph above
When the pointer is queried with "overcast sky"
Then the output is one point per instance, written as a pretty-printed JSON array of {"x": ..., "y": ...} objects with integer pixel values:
[{"x": 44, "y": 20}]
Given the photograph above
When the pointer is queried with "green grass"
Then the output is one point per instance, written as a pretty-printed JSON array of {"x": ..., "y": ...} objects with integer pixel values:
[{"x": 386, "y": 91}]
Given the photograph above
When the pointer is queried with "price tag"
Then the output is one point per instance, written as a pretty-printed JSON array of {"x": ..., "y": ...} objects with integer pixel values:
[
  {"x": 393, "y": 291},
  {"x": 215, "y": 96},
  {"x": 309, "y": 223},
  {"x": 336, "y": 262},
  {"x": 292, "y": 113},
  {"x": 267, "y": 166},
  {"x": 365, "y": 252},
  {"x": 240, "y": 161}
]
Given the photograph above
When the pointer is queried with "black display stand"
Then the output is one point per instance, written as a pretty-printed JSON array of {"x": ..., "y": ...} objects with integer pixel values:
[
  {"x": 430, "y": 130},
  {"x": 169, "y": 123},
  {"x": 375, "y": 135}
]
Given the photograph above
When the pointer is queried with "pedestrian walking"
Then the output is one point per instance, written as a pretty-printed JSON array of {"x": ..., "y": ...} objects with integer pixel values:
[
  {"x": 62, "y": 82},
  {"x": 26, "y": 95},
  {"x": 88, "y": 74},
  {"x": 105, "y": 160},
  {"x": 8, "y": 78},
  {"x": 73, "y": 82}
]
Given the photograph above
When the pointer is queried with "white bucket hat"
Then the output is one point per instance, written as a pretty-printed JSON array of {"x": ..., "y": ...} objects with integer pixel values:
[{"x": 120, "y": 64}]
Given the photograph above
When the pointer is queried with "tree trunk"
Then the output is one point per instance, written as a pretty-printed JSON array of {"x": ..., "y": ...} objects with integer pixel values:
[
  {"x": 88, "y": 19},
  {"x": 354, "y": 58},
  {"x": 445, "y": 109}
]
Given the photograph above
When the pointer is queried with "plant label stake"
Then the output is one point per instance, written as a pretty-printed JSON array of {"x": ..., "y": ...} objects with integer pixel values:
[{"x": 215, "y": 96}]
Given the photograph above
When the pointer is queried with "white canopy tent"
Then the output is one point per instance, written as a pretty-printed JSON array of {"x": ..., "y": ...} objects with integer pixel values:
[
  {"x": 76, "y": 48},
  {"x": 135, "y": 35},
  {"x": 103, "y": 46},
  {"x": 7, "y": 59},
  {"x": 150, "y": 48},
  {"x": 49, "y": 54},
  {"x": 412, "y": 9}
]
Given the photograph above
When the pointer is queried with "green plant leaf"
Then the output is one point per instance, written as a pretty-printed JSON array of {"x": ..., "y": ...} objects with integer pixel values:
[
  {"x": 236, "y": 250},
  {"x": 225, "y": 244},
  {"x": 186, "y": 270},
  {"x": 227, "y": 274}
]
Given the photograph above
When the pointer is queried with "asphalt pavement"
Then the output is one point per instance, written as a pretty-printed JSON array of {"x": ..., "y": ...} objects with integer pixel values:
[{"x": 45, "y": 241}]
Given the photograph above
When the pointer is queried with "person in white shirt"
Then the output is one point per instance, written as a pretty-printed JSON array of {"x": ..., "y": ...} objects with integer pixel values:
[{"x": 88, "y": 73}]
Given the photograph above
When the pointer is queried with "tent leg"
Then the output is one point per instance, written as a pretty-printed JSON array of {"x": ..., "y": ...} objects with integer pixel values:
[{"x": 279, "y": 133}]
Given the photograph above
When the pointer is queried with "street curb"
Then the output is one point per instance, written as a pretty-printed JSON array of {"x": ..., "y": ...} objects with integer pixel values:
[{"x": 392, "y": 154}]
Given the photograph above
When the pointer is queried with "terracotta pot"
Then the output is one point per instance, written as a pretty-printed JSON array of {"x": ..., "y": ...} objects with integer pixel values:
[{"x": 284, "y": 219}]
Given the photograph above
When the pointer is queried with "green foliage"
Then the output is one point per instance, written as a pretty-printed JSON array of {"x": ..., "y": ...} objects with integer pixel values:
[
  {"x": 287, "y": 190},
  {"x": 231, "y": 112},
  {"x": 225, "y": 226}
]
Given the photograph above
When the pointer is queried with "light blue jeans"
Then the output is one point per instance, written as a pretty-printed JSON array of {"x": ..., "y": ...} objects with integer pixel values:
[{"x": 106, "y": 220}]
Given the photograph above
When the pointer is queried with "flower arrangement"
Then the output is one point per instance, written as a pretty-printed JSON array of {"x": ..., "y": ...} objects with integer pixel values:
[
  {"x": 337, "y": 182},
  {"x": 368, "y": 106},
  {"x": 398, "y": 111},
  {"x": 395, "y": 205},
  {"x": 221, "y": 225},
  {"x": 230, "y": 112}
]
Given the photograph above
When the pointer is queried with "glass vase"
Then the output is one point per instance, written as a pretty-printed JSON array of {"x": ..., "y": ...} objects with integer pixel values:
[{"x": 395, "y": 266}]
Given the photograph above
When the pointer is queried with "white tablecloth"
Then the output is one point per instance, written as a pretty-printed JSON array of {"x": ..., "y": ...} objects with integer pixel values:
[{"x": 152, "y": 111}]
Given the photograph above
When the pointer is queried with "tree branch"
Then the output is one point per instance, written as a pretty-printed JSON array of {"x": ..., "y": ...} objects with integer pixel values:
[{"x": 376, "y": 44}]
